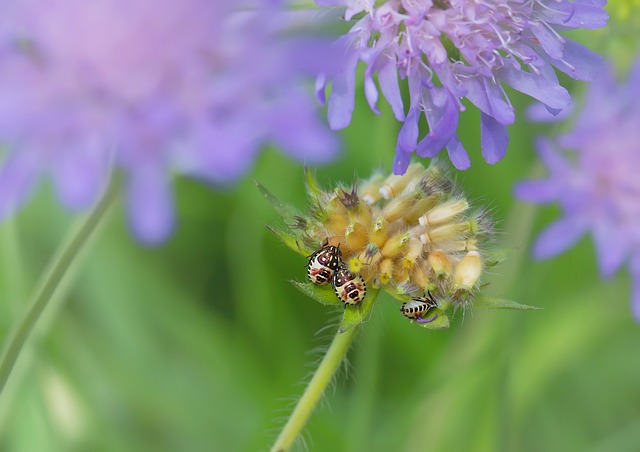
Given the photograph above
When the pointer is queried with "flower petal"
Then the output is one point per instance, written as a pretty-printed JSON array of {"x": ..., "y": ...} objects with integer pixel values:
[
  {"x": 554, "y": 160},
  {"x": 18, "y": 176},
  {"x": 538, "y": 87},
  {"x": 401, "y": 161},
  {"x": 442, "y": 115},
  {"x": 612, "y": 246},
  {"x": 297, "y": 129},
  {"x": 408, "y": 135},
  {"x": 576, "y": 14},
  {"x": 150, "y": 205},
  {"x": 494, "y": 139},
  {"x": 538, "y": 191},
  {"x": 551, "y": 42},
  {"x": 578, "y": 62},
  {"x": 371, "y": 91},
  {"x": 458, "y": 154},
  {"x": 388, "y": 79},
  {"x": 341, "y": 102},
  {"x": 634, "y": 268},
  {"x": 539, "y": 112},
  {"x": 80, "y": 175},
  {"x": 559, "y": 236}
]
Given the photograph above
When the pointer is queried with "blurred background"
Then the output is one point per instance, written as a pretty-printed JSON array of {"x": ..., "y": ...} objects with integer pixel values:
[{"x": 203, "y": 344}]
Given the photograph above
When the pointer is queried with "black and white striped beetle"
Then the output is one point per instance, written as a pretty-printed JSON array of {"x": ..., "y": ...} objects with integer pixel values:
[
  {"x": 348, "y": 286},
  {"x": 323, "y": 263},
  {"x": 418, "y": 306}
]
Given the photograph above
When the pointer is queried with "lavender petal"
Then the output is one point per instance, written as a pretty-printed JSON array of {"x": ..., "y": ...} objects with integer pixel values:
[
  {"x": 559, "y": 236},
  {"x": 494, "y": 139}
]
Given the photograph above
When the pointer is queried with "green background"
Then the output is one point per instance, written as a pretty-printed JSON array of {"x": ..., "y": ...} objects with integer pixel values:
[{"x": 203, "y": 344}]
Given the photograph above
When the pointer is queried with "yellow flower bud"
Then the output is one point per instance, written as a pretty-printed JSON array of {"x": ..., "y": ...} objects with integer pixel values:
[
  {"x": 386, "y": 271},
  {"x": 356, "y": 236},
  {"x": 370, "y": 191},
  {"x": 395, "y": 245},
  {"x": 414, "y": 250},
  {"x": 440, "y": 263},
  {"x": 379, "y": 233},
  {"x": 444, "y": 212},
  {"x": 394, "y": 185},
  {"x": 468, "y": 271}
]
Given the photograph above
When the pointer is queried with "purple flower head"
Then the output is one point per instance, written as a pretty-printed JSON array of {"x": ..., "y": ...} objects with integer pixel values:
[
  {"x": 151, "y": 88},
  {"x": 448, "y": 50},
  {"x": 593, "y": 175}
]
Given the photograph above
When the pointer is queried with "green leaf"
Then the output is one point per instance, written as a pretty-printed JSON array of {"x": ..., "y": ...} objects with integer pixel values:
[
  {"x": 322, "y": 294},
  {"x": 354, "y": 315},
  {"x": 291, "y": 240},
  {"x": 286, "y": 211},
  {"x": 441, "y": 322},
  {"x": 500, "y": 303}
]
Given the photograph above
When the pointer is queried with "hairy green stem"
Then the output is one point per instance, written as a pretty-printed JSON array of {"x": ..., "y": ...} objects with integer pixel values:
[
  {"x": 312, "y": 394},
  {"x": 49, "y": 282}
]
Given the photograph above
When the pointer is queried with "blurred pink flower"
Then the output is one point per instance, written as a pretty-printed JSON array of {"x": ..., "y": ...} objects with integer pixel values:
[
  {"x": 191, "y": 87},
  {"x": 593, "y": 176}
]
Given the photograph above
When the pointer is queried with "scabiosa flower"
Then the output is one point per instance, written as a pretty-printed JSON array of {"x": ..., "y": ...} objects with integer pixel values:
[
  {"x": 448, "y": 50},
  {"x": 413, "y": 235},
  {"x": 593, "y": 175},
  {"x": 152, "y": 88}
]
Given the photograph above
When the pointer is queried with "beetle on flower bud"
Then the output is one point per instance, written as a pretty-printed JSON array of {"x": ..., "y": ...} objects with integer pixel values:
[
  {"x": 407, "y": 235},
  {"x": 349, "y": 286},
  {"x": 417, "y": 307},
  {"x": 323, "y": 263}
]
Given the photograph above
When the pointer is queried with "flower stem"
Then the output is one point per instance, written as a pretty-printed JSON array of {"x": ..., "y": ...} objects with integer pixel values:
[
  {"x": 312, "y": 394},
  {"x": 50, "y": 281}
]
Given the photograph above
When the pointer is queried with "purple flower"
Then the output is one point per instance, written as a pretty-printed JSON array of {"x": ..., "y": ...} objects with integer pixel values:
[
  {"x": 593, "y": 175},
  {"x": 193, "y": 87},
  {"x": 448, "y": 50}
]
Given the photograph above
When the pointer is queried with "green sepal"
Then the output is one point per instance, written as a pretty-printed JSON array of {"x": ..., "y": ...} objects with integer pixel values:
[
  {"x": 500, "y": 303},
  {"x": 286, "y": 211},
  {"x": 313, "y": 188},
  {"x": 441, "y": 322},
  {"x": 322, "y": 294},
  {"x": 354, "y": 315},
  {"x": 291, "y": 240}
]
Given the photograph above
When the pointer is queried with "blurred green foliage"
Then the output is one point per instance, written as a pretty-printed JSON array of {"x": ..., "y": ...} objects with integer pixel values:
[{"x": 203, "y": 344}]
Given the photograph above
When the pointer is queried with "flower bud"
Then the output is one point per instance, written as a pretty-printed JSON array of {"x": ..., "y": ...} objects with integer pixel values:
[
  {"x": 356, "y": 236},
  {"x": 444, "y": 212},
  {"x": 398, "y": 207},
  {"x": 407, "y": 235},
  {"x": 379, "y": 233},
  {"x": 439, "y": 262},
  {"x": 420, "y": 278},
  {"x": 468, "y": 271},
  {"x": 394, "y": 185},
  {"x": 371, "y": 189},
  {"x": 414, "y": 250},
  {"x": 395, "y": 245},
  {"x": 386, "y": 271}
]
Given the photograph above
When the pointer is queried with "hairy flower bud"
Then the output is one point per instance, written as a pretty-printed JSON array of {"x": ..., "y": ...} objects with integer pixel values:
[
  {"x": 468, "y": 271},
  {"x": 413, "y": 235}
]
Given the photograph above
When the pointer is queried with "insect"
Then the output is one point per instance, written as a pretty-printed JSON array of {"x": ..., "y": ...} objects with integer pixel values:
[
  {"x": 417, "y": 307},
  {"x": 323, "y": 263},
  {"x": 349, "y": 286}
]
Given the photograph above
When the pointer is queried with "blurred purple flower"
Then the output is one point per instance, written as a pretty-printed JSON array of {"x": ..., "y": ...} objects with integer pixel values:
[
  {"x": 595, "y": 180},
  {"x": 452, "y": 49},
  {"x": 191, "y": 87}
]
